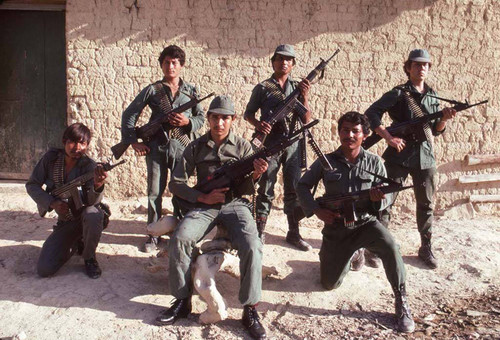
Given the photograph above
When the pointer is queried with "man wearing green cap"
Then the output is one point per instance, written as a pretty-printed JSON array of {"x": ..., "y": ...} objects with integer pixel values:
[
  {"x": 267, "y": 96},
  {"x": 403, "y": 157},
  {"x": 224, "y": 206},
  {"x": 165, "y": 149}
]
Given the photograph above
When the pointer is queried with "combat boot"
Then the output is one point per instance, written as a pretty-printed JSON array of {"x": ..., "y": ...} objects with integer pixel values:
[
  {"x": 425, "y": 251},
  {"x": 181, "y": 308},
  {"x": 404, "y": 320},
  {"x": 358, "y": 260},
  {"x": 251, "y": 321},
  {"x": 261, "y": 221},
  {"x": 293, "y": 236}
]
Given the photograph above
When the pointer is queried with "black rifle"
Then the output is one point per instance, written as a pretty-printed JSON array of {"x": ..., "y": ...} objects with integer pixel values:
[
  {"x": 232, "y": 174},
  {"x": 413, "y": 130},
  {"x": 344, "y": 203},
  {"x": 149, "y": 130},
  {"x": 290, "y": 103},
  {"x": 69, "y": 191}
]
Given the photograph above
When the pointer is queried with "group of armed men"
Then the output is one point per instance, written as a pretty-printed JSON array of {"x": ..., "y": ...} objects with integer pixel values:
[{"x": 351, "y": 169}]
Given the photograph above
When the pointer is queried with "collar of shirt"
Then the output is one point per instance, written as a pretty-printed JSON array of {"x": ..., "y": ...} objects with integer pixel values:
[
  {"x": 288, "y": 82},
  {"x": 338, "y": 155},
  {"x": 207, "y": 139}
]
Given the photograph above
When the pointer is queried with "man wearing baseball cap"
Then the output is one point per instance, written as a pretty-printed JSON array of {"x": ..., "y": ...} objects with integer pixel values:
[
  {"x": 406, "y": 157},
  {"x": 267, "y": 96},
  {"x": 225, "y": 207}
]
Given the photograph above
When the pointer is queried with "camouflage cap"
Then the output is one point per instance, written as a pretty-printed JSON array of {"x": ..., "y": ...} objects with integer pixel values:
[
  {"x": 286, "y": 50},
  {"x": 420, "y": 55},
  {"x": 222, "y": 105}
]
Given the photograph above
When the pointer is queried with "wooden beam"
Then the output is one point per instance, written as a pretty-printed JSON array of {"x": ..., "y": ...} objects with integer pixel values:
[
  {"x": 14, "y": 175},
  {"x": 479, "y": 178},
  {"x": 484, "y": 198},
  {"x": 482, "y": 159}
]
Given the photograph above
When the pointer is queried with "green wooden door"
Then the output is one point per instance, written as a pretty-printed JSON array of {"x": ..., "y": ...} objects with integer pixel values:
[{"x": 32, "y": 88}]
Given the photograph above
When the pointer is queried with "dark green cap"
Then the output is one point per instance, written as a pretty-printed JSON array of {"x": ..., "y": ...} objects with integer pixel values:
[
  {"x": 222, "y": 105},
  {"x": 286, "y": 50},
  {"x": 420, "y": 55}
]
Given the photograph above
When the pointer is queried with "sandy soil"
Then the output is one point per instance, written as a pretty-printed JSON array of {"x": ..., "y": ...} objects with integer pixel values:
[{"x": 460, "y": 299}]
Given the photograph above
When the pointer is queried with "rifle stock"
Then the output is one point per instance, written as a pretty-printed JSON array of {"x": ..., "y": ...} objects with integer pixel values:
[{"x": 411, "y": 130}]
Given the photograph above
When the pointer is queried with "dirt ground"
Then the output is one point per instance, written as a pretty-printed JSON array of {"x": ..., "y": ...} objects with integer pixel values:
[{"x": 459, "y": 300}]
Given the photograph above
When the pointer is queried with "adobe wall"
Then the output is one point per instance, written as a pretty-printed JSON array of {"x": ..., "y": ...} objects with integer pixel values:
[{"x": 113, "y": 48}]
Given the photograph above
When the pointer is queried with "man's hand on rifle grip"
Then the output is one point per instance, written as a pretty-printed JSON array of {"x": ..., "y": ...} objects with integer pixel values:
[
  {"x": 140, "y": 149},
  {"x": 326, "y": 215},
  {"x": 214, "y": 197},
  {"x": 99, "y": 176},
  {"x": 259, "y": 166},
  {"x": 376, "y": 194},
  {"x": 178, "y": 119},
  {"x": 60, "y": 207}
]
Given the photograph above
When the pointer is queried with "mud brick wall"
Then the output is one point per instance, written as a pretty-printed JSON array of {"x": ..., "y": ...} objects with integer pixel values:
[{"x": 113, "y": 47}]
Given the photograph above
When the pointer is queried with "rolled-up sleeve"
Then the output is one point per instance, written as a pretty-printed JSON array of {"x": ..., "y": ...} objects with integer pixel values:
[
  {"x": 184, "y": 169},
  {"x": 131, "y": 114},
  {"x": 254, "y": 103},
  {"x": 197, "y": 118},
  {"x": 304, "y": 187},
  {"x": 376, "y": 111},
  {"x": 35, "y": 183}
]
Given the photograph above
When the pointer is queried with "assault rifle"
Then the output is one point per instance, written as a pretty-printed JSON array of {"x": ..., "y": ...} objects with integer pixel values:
[
  {"x": 413, "y": 130},
  {"x": 290, "y": 103},
  {"x": 149, "y": 130},
  {"x": 344, "y": 203},
  {"x": 232, "y": 174},
  {"x": 69, "y": 192}
]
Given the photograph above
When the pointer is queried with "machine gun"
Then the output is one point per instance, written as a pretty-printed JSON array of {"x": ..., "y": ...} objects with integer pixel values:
[
  {"x": 69, "y": 192},
  {"x": 290, "y": 103},
  {"x": 149, "y": 130},
  {"x": 413, "y": 130},
  {"x": 344, "y": 203}
]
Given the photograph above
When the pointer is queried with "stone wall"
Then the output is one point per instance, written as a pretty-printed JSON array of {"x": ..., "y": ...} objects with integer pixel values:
[{"x": 113, "y": 48}]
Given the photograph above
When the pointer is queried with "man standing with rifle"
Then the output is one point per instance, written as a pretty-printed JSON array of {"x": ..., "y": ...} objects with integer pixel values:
[
  {"x": 267, "y": 96},
  {"x": 354, "y": 170},
  {"x": 414, "y": 156},
  {"x": 166, "y": 147},
  {"x": 221, "y": 206},
  {"x": 56, "y": 168}
]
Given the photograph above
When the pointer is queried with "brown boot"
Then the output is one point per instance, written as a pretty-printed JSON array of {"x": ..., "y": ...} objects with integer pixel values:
[
  {"x": 372, "y": 259},
  {"x": 425, "y": 251},
  {"x": 261, "y": 221},
  {"x": 358, "y": 260},
  {"x": 293, "y": 236},
  {"x": 404, "y": 320}
]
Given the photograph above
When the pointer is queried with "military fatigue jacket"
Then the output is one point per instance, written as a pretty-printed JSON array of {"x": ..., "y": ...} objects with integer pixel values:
[
  {"x": 149, "y": 97},
  {"x": 44, "y": 174},
  {"x": 414, "y": 155},
  {"x": 262, "y": 99},
  {"x": 344, "y": 179},
  {"x": 204, "y": 157}
]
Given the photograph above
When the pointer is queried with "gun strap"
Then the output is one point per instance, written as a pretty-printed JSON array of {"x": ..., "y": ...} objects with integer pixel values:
[
  {"x": 58, "y": 176},
  {"x": 165, "y": 106},
  {"x": 417, "y": 112}
]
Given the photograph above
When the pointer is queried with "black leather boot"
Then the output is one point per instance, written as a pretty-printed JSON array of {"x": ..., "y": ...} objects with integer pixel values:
[
  {"x": 425, "y": 251},
  {"x": 181, "y": 308},
  {"x": 151, "y": 244},
  {"x": 92, "y": 268},
  {"x": 293, "y": 236},
  {"x": 404, "y": 320},
  {"x": 261, "y": 221},
  {"x": 251, "y": 321}
]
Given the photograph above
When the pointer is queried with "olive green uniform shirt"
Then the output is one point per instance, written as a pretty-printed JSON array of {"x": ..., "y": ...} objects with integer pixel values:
[
  {"x": 204, "y": 157},
  {"x": 418, "y": 155},
  {"x": 344, "y": 179}
]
